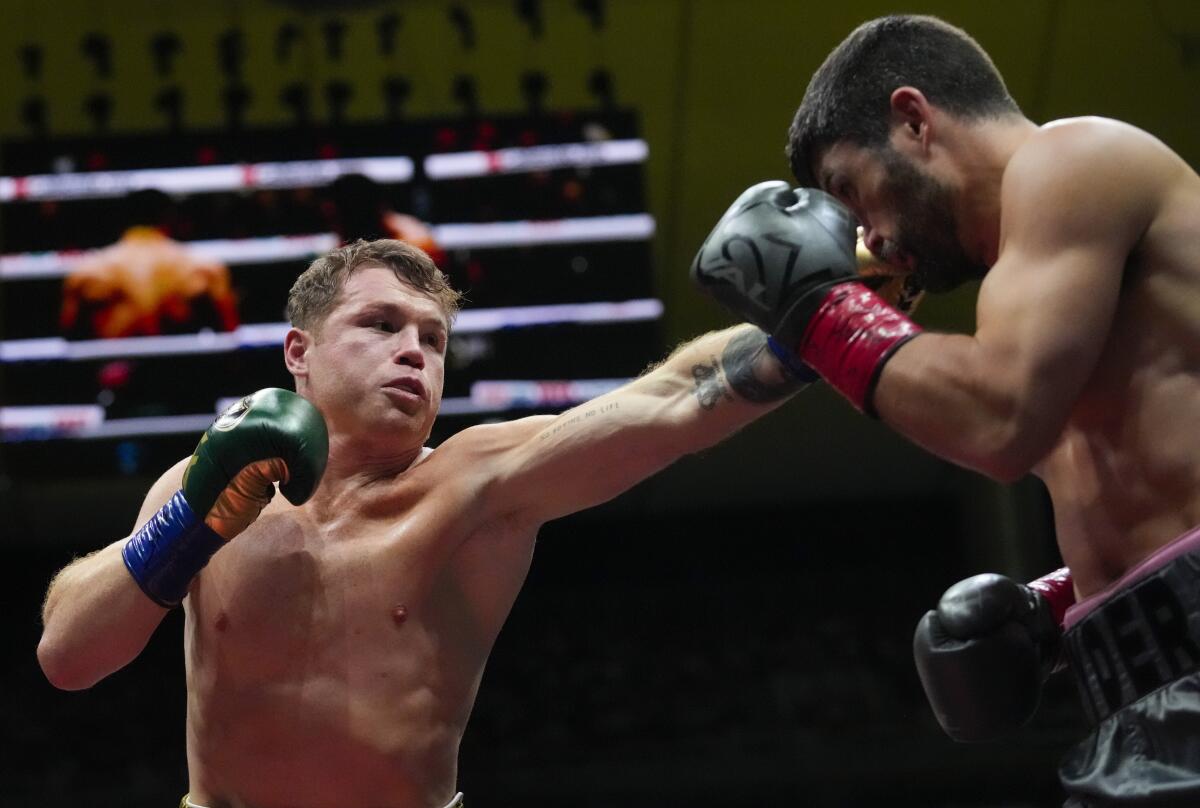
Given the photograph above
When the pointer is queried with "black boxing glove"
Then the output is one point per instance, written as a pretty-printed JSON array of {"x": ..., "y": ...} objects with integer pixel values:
[
  {"x": 784, "y": 259},
  {"x": 984, "y": 654}
]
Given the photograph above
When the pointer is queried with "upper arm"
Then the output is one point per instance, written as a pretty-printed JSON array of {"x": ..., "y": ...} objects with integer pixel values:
[
  {"x": 550, "y": 466},
  {"x": 541, "y": 468},
  {"x": 1074, "y": 205},
  {"x": 161, "y": 491}
]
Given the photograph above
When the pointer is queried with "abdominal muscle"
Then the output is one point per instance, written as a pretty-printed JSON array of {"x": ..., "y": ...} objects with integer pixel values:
[
  {"x": 318, "y": 743},
  {"x": 1125, "y": 474},
  {"x": 320, "y": 674},
  {"x": 1108, "y": 514}
]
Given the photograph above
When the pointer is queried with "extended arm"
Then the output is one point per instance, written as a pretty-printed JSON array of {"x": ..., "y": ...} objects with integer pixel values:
[{"x": 706, "y": 390}]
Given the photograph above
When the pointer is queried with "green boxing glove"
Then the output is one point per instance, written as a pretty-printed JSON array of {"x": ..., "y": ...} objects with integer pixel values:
[{"x": 271, "y": 436}]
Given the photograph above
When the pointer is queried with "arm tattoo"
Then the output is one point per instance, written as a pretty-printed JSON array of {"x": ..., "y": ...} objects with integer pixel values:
[
  {"x": 753, "y": 371},
  {"x": 709, "y": 387},
  {"x": 578, "y": 418}
]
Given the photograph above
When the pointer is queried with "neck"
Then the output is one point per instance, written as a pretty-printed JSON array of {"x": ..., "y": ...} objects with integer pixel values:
[
  {"x": 357, "y": 468},
  {"x": 982, "y": 154}
]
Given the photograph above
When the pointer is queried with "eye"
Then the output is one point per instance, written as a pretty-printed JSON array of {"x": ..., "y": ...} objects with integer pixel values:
[
  {"x": 434, "y": 340},
  {"x": 382, "y": 325}
]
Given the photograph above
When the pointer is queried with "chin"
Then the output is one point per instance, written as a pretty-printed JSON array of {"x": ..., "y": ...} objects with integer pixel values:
[{"x": 408, "y": 428}]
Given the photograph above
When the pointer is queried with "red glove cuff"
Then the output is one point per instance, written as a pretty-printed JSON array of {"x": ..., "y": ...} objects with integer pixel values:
[
  {"x": 851, "y": 337},
  {"x": 1059, "y": 589}
]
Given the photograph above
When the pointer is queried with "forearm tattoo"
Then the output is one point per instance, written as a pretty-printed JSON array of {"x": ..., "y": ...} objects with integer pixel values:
[
  {"x": 753, "y": 371},
  {"x": 748, "y": 369},
  {"x": 580, "y": 417},
  {"x": 710, "y": 389}
]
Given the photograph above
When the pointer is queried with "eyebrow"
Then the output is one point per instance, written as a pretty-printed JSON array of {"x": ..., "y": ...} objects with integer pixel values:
[{"x": 386, "y": 307}]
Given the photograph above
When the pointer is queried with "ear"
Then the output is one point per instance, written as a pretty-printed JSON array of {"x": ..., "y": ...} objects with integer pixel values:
[
  {"x": 295, "y": 352},
  {"x": 911, "y": 119}
]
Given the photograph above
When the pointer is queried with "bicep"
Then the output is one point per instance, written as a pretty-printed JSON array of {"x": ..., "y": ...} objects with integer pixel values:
[
  {"x": 109, "y": 556},
  {"x": 590, "y": 453},
  {"x": 1043, "y": 320},
  {"x": 1074, "y": 206},
  {"x": 997, "y": 400},
  {"x": 707, "y": 389}
]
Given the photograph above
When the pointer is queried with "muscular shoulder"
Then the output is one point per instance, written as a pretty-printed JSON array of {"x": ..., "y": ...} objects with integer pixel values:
[
  {"x": 472, "y": 461},
  {"x": 1092, "y": 143},
  {"x": 480, "y": 453},
  {"x": 484, "y": 440},
  {"x": 1083, "y": 178}
]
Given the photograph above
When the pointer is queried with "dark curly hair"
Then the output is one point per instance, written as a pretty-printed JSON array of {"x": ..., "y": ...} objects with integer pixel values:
[{"x": 849, "y": 97}]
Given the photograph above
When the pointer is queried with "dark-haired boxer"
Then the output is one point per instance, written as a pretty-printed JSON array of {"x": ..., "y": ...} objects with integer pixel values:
[
  {"x": 1084, "y": 367},
  {"x": 336, "y": 636}
]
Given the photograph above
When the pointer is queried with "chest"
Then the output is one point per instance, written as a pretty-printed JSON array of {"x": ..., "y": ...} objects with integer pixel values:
[{"x": 288, "y": 589}]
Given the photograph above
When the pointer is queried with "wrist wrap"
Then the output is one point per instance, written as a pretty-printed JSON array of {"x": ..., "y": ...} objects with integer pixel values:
[
  {"x": 850, "y": 338},
  {"x": 1059, "y": 590},
  {"x": 798, "y": 370},
  {"x": 167, "y": 552}
]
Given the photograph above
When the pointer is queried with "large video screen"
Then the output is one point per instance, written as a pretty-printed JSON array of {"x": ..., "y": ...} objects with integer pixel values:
[{"x": 144, "y": 279}]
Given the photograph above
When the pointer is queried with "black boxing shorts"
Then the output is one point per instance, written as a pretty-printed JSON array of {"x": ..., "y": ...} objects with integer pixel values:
[{"x": 1134, "y": 649}]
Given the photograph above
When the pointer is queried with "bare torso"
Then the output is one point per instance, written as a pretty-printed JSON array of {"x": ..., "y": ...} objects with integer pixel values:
[
  {"x": 143, "y": 283},
  {"x": 333, "y": 659},
  {"x": 1125, "y": 474}
]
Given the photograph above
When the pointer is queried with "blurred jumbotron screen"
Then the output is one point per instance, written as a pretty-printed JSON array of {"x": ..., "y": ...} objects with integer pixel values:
[{"x": 114, "y": 352}]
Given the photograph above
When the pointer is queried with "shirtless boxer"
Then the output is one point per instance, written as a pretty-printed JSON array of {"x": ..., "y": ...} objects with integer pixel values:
[
  {"x": 1084, "y": 367},
  {"x": 334, "y": 643},
  {"x": 146, "y": 283}
]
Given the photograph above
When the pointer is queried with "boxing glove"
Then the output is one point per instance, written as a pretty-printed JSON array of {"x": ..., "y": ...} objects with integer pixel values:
[
  {"x": 984, "y": 654},
  {"x": 271, "y": 436},
  {"x": 784, "y": 259}
]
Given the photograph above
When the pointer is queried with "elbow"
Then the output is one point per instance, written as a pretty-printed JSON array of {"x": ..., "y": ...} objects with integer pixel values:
[
  {"x": 1006, "y": 470},
  {"x": 60, "y": 667},
  {"x": 1012, "y": 448}
]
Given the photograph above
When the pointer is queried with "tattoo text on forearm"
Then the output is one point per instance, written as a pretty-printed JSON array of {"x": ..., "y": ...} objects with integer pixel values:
[{"x": 580, "y": 417}]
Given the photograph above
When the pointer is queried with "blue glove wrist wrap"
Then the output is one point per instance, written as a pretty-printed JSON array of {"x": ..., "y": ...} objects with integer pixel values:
[
  {"x": 167, "y": 552},
  {"x": 799, "y": 370}
]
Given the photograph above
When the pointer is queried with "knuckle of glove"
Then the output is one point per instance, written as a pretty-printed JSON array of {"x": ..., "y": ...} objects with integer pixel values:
[
  {"x": 931, "y": 635},
  {"x": 771, "y": 248},
  {"x": 981, "y": 604},
  {"x": 984, "y": 688}
]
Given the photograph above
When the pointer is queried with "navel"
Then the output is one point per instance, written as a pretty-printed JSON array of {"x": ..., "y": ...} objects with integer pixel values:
[{"x": 399, "y": 614}]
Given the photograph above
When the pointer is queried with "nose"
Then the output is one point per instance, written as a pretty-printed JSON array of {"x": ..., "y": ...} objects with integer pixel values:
[
  {"x": 872, "y": 240},
  {"x": 407, "y": 349}
]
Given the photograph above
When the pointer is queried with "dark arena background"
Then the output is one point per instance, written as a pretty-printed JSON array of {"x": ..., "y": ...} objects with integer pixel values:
[{"x": 733, "y": 632}]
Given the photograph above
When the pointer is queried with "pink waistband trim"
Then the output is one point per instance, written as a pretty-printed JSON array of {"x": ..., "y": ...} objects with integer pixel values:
[{"x": 1176, "y": 547}]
